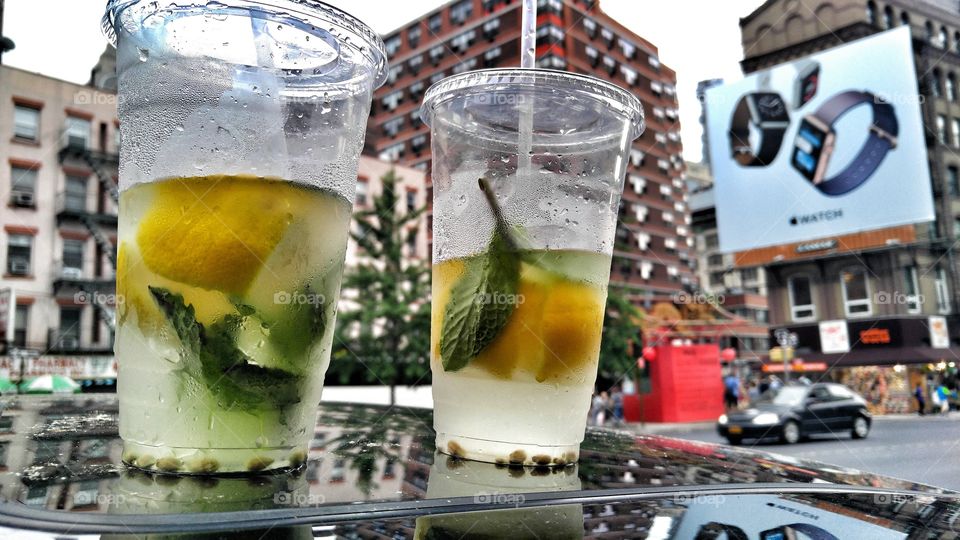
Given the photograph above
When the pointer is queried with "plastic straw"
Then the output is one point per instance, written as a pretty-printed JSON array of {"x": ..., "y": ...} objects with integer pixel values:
[{"x": 528, "y": 60}]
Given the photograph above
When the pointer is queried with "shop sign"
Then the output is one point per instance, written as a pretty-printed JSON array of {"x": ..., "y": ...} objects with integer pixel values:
[
  {"x": 834, "y": 337},
  {"x": 939, "y": 335}
]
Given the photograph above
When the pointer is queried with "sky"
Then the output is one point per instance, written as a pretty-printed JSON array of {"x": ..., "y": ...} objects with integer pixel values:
[{"x": 700, "y": 39}]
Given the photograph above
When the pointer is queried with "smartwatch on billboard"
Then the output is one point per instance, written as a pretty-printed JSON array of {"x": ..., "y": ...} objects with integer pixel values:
[
  {"x": 806, "y": 84},
  {"x": 767, "y": 113},
  {"x": 816, "y": 140}
]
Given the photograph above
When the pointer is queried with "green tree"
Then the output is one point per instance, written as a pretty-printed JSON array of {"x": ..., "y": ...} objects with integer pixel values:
[
  {"x": 622, "y": 324},
  {"x": 383, "y": 328}
]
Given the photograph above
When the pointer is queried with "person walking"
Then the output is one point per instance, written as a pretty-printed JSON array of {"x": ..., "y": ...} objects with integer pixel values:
[
  {"x": 731, "y": 391},
  {"x": 616, "y": 401},
  {"x": 935, "y": 399},
  {"x": 598, "y": 408},
  {"x": 944, "y": 394},
  {"x": 921, "y": 402}
]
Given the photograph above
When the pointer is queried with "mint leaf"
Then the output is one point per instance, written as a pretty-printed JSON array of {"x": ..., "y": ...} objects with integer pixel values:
[
  {"x": 212, "y": 358},
  {"x": 482, "y": 300},
  {"x": 303, "y": 323}
]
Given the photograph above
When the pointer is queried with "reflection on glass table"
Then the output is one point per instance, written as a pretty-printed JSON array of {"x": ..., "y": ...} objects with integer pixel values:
[{"x": 373, "y": 472}]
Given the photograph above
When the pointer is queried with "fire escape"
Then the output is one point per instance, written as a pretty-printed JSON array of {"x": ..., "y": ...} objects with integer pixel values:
[{"x": 99, "y": 219}]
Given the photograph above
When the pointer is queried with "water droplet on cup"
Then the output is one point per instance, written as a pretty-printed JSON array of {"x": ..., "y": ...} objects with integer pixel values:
[{"x": 144, "y": 54}]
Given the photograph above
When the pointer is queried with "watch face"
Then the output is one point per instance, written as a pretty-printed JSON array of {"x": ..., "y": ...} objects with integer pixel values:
[
  {"x": 808, "y": 149},
  {"x": 808, "y": 86},
  {"x": 770, "y": 107}
]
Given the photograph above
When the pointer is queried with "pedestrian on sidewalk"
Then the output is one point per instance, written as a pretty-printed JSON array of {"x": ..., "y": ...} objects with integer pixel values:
[
  {"x": 616, "y": 401},
  {"x": 944, "y": 394},
  {"x": 921, "y": 402},
  {"x": 598, "y": 409},
  {"x": 731, "y": 391}
]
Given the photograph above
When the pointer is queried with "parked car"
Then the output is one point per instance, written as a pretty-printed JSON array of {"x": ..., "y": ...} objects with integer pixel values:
[{"x": 793, "y": 412}]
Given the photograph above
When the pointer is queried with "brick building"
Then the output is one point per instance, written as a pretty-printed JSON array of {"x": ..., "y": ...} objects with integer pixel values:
[{"x": 653, "y": 253}]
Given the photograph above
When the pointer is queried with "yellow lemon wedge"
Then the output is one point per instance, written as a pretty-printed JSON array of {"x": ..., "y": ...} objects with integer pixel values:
[
  {"x": 216, "y": 231},
  {"x": 572, "y": 326}
]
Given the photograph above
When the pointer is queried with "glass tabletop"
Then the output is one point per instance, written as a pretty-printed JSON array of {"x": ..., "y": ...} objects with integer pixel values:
[{"x": 375, "y": 467}]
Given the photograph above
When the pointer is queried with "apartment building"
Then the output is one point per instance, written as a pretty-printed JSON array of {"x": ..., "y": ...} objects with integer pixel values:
[
  {"x": 653, "y": 254},
  {"x": 59, "y": 143}
]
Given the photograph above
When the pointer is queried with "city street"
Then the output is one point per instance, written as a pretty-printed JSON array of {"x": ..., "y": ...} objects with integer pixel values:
[{"x": 921, "y": 449}]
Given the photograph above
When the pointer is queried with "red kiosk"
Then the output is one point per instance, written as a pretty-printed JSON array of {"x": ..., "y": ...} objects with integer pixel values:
[{"x": 685, "y": 381}]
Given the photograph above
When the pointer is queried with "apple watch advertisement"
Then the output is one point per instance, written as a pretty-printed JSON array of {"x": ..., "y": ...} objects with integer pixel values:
[{"x": 826, "y": 145}]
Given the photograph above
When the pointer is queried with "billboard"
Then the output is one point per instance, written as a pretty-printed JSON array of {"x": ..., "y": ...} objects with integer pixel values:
[{"x": 828, "y": 145}]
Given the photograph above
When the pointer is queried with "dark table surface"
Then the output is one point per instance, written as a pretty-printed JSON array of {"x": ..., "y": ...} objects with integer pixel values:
[{"x": 373, "y": 472}]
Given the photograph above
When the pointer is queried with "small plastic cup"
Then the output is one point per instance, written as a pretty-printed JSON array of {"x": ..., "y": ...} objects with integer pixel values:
[
  {"x": 242, "y": 123},
  {"x": 528, "y": 167}
]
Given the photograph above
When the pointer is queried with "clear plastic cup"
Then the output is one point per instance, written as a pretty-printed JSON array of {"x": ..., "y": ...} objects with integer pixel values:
[
  {"x": 242, "y": 123},
  {"x": 528, "y": 167}
]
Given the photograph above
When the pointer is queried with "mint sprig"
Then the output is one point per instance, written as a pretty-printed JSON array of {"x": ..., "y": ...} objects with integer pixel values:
[
  {"x": 474, "y": 314},
  {"x": 212, "y": 358}
]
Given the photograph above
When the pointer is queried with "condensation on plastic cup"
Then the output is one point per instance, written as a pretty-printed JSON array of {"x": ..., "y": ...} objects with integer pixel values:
[{"x": 522, "y": 396}]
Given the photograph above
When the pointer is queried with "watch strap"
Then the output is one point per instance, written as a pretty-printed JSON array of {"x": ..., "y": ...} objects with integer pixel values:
[
  {"x": 882, "y": 139},
  {"x": 770, "y": 138}
]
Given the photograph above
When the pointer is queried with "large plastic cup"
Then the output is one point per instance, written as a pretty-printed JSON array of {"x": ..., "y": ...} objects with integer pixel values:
[
  {"x": 528, "y": 166},
  {"x": 241, "y": 124}
]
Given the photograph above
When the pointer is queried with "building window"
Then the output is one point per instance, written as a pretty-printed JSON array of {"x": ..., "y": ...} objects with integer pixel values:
[
  {"x": 392, "y": 152},
  {"x": 912, "y": 289},
  {"x": 21, "y": 320},
  {"x": 19, "y": 248},
  {"x": 715, "y": 260},
  {"x": 951, "y": 86},
  {"x": 943, "y": 291},
  {"x": 711, "y": 241},
  {"x": 459, "y": 13},
  {"x": 412, "y": 243},
  {"x": 716, "y": 279},
  {"x": 411, "y": 200},
  {"x": 77, "y": 132},
  {"x": 888, "y": 18},
  {"x": 23, "y": 184},
  {"x": 590, "y": 27},
  {"x": 69, "y": 333},
  {"x": 435, "y": 23},
  {"x": 628, "y": 48},
  {"x": 391, "y": 100},
  {"x": 392, "y": 127},
  {"x": 394, "y": 73},
  {"x": 392, "y": 45},
  {"x": 749, "y": 274},
  {"x": 956, "y": 41},
  {"x": 462, "y": 42},
  {"x": 550, "y": 6},
  {"x": 413, "y": 36},
  {"x": 941, "y": 129},
  {"x": 491, "y": 29},
  {"x": 872, "y": 12},
  {"x": 72, "y": 255},
  {"x": 801, "y": 299},
  {"x": 943, "y": 38},
  {"x": 26, "y": 122},
  {"x": 928, "y": 28},
  {"x": 75, "y": 193},
  {"x": 856, "y": 293},
  {"x": 953, "y": 180},
  {"x": 905, "y": 19},
  {"x": 362, "y": 189},
  {"x": 936, "y": 82}
]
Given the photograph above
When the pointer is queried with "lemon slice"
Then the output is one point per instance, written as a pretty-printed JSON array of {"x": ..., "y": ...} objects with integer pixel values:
[{"x": 215, "y": 232}]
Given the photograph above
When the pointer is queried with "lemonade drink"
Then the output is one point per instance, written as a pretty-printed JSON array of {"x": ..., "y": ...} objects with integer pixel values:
[
  {"x": 242, "y": 124},
  {"x": 528, "y": 166},
  {"x": 228, "y": 287}
]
